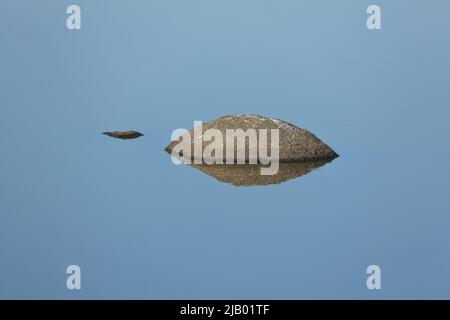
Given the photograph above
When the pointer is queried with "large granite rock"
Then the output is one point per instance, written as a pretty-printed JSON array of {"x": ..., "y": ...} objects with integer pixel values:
[{"x": 295, "y": 144}]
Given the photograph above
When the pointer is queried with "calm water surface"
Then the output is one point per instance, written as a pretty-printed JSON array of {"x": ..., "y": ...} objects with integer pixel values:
[{"x": 141, "y": 227}]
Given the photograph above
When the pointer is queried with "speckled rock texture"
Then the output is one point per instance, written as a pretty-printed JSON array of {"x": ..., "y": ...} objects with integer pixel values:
[{"x": 295, "y": 144}]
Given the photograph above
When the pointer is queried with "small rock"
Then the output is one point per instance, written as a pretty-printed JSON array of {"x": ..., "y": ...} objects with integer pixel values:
[{"x": 124, "y": 134}]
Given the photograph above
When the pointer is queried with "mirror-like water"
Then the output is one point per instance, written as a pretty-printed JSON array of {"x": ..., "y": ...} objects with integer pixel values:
[{"x": 140, "y": 227}]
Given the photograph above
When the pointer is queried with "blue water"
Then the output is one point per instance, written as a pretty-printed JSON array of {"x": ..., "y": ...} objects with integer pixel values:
[{"x": 140, "y": 227}]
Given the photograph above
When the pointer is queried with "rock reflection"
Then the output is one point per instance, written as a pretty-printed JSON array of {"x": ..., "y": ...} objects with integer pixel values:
[{"x": 250, "y": 174}]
